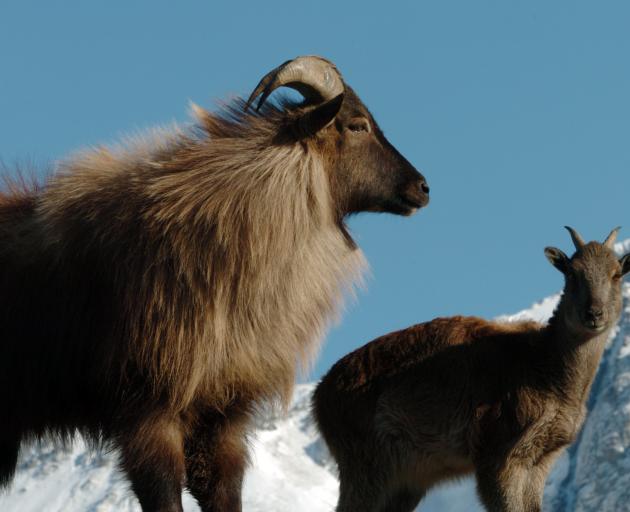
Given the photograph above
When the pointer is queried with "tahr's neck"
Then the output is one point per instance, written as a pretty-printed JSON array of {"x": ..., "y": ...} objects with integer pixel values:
[{"x": 579, "y": 351}]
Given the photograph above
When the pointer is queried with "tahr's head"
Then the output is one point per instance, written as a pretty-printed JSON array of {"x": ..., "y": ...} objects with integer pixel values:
[
  {"x": 366, "y": 172},
  {"x": 593, "y": 276}
]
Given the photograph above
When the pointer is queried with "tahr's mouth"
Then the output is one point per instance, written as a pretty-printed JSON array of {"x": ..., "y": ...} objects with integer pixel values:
[
  {"x": 595, "y": 326},
  {"x": 409, "y": 205}
]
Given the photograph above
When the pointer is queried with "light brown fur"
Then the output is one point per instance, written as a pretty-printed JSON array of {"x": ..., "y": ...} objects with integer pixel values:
[
  {"x": 259, "y": 261},
  {"x": 461, "y": 395},
  {"x": 154, "y": 295}
]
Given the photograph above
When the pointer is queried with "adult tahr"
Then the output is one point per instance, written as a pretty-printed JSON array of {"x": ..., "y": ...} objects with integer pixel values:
[{"x": 153, "y": 296}]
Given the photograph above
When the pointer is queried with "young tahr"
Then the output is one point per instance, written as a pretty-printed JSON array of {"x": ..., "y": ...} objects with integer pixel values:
[{"x": 458, "y": 396}]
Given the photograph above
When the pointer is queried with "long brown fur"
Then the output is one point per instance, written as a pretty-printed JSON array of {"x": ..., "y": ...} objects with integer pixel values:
[
  {"x": 222, "y": 290},
  {"x": 239, "y": 278},
  {"x": 462, "y": 395},
  {"x": 153, "y": 295}
]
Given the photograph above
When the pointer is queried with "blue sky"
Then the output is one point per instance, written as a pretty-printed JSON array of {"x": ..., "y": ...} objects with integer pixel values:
[{"x": 518, "y": 114}]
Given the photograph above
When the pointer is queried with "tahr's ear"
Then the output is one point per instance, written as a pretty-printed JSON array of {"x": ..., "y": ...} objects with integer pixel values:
[
  {"x": 624, "y": 261},
  {"x": 557, "y": 258},
  {"x": 314, "y": 120}
]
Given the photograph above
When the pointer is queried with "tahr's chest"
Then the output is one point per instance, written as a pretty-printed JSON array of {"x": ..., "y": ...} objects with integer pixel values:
[{"x": 554, "y": 427}]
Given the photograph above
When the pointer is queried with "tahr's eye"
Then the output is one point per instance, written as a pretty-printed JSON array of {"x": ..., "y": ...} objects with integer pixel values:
[{"x": 359, "y": 125}]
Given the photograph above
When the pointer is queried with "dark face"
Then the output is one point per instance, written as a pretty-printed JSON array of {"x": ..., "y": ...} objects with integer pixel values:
[
  {"x": 593, "y": 278},
  {"x": 368, "y": 173}
]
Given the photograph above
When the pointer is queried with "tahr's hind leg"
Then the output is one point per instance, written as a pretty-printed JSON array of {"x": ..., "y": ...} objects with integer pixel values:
[
  {"x": 216, "y": 458},
  {"x": 9, "y": 450},
  {"x": 153, "y": 458}
]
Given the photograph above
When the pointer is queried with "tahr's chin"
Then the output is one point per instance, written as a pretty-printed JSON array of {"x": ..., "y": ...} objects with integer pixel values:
[
  {"x": 399, "y": 205},
  {"x": 407, "y": 206}
]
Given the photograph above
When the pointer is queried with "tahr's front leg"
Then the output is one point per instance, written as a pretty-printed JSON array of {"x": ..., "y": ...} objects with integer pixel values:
[
  {"x": 152, "y": 456},
  {"x": 514, "y": 483},
  {"x": 216, "y": 458},
  {"x": 535, "y": 482}
]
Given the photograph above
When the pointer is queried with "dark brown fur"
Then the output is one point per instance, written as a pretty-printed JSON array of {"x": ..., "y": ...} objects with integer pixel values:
[
  {"x": 462, "y": 395},
  {"x": 152, "y": 296}
]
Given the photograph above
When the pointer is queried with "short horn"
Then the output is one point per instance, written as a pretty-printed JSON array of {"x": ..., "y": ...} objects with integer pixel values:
[
  {"x": 612, "y": 238},
  {"x": 578, "y": 241},
  {"x": 316, "y": 78}
]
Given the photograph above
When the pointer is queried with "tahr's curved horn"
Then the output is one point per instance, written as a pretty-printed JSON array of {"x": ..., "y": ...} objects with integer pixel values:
[
  {"x": 578, "y": 241},
  {"x": 612, "y": 238},
  {"x": 314, "y": 77}
]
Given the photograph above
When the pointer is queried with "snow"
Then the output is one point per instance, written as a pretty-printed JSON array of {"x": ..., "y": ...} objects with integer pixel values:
[
  {"x": 291, "y": 469},
  {"x": 290, "y": 466}
]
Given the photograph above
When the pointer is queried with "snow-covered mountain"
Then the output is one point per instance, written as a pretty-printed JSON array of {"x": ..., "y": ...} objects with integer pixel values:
[{"x": 292, "y": 471}]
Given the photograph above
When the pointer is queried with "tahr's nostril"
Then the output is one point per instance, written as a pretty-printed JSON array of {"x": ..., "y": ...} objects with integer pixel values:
[
  {"x": 595, "y": 314},
  {"x": 425, "y": 188}
]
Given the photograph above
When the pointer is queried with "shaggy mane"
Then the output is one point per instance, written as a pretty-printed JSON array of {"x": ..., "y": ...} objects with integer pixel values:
[{"x": 225, "y": 240}]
